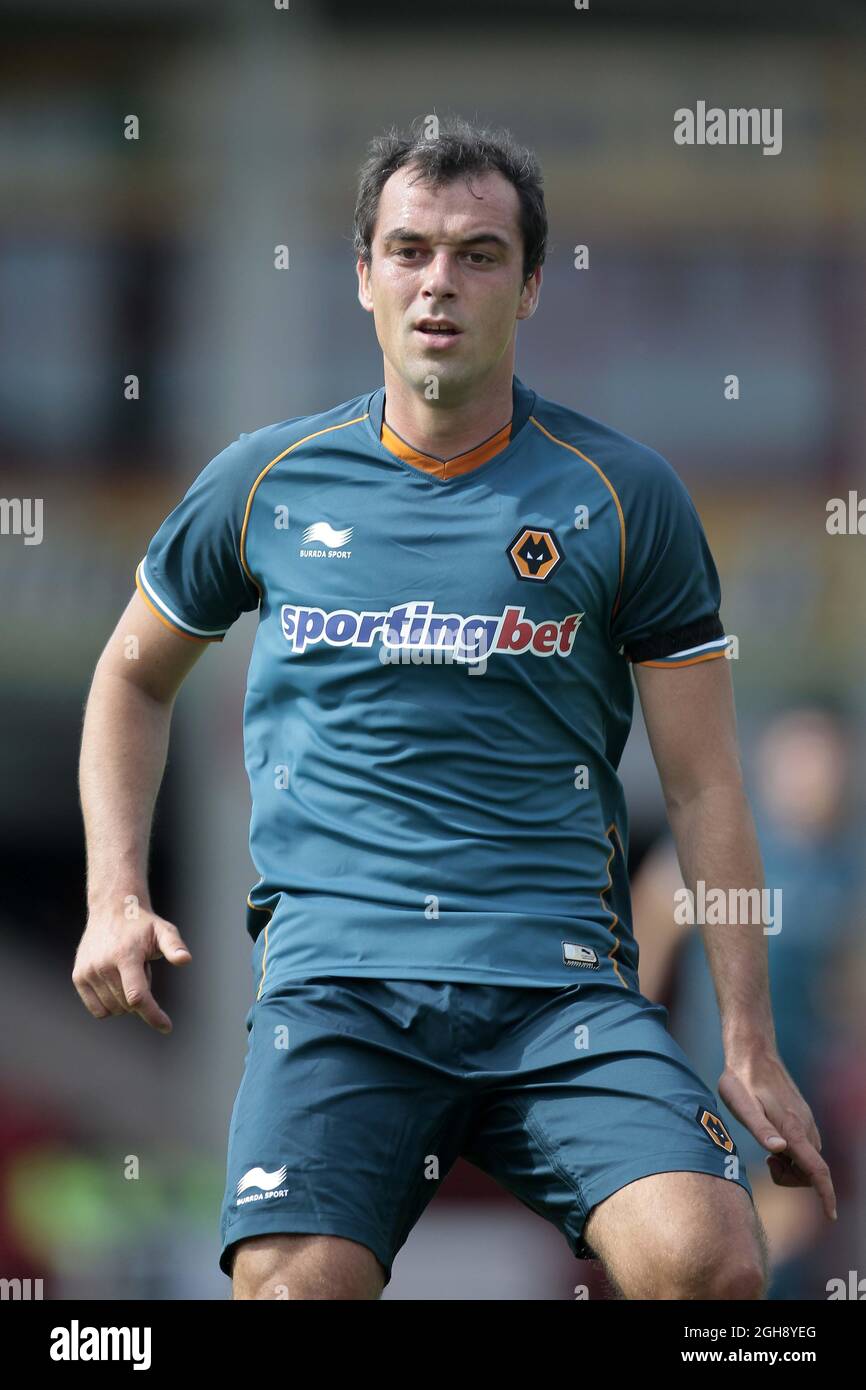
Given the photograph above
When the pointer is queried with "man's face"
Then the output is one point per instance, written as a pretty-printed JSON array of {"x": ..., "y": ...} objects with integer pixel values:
[{"x": 453, "y": 253}]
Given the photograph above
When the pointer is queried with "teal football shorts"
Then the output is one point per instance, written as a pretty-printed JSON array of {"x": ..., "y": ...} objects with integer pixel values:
[{"x": 359, "y": 1094}]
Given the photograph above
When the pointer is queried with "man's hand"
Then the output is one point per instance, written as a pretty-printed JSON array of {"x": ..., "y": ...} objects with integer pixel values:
[
  {"x": 112, "y": 964},
  {"x": 760, "y": 1091}
]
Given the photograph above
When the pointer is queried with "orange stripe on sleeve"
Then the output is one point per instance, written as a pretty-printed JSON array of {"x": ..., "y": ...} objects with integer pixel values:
[{"x": 689, "y": 661}]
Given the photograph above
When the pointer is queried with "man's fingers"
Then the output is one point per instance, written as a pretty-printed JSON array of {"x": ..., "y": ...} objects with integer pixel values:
[
  {"x": 810, "y": 1162},
  {"x": 794, "y": 1143},
  {"x": 112, "y": 972},
  {"x": 170, "y": 943},
  {"x": 90, "y": 999},
  {"x": 106, "y": 981},
  {"x": 749, "y": 1111},
  {"x": 796, "y": 1148},
  {"x": 105, "y": 994},
  {"x": 139, "y": 999},
  {"x": 785, "y": 1173}
]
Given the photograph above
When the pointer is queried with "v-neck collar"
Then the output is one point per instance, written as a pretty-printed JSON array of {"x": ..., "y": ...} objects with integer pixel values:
[{"x": 466, "y": 465}]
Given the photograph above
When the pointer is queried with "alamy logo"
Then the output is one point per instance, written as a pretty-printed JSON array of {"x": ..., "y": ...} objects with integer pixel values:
[
  {"x": 324, "y": 540},
  {"x": 20, "y": 1289},
  {"x": 22, "y": 516},
  {"x": 847, "y": 520},
  {"x": 77, "y": 1343},
  {"x": 716, "y": 907},
  {"x": 854, "y": 1288},
  {"x": 739, "y": 125}
]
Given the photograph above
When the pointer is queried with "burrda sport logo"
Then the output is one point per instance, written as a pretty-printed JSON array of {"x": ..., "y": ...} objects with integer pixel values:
[
  {"x": 322, "y": 541},
  {"x": 417, "y": 626},
  {"x": 270, "y": 1185}
]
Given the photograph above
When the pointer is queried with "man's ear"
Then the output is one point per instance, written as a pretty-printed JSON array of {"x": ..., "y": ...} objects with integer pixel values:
[
  {"x": 364, "y": 296},
  {"x": 529, "y": 294}
]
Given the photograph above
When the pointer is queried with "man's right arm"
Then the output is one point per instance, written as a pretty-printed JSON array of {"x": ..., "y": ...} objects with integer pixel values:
[{"x": 123, "y": 753}]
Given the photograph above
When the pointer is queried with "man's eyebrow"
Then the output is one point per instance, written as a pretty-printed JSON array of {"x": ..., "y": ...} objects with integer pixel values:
[{"x": 407, "y": 234}]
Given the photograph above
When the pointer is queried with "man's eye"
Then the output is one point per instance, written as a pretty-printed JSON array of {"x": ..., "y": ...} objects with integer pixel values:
[
  {"x": 481, "y": 256},
  {"x": 407, "y": 250}
]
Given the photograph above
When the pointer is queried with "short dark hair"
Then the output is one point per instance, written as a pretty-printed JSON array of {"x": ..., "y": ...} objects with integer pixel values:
[{"x": 459, "y": 148}]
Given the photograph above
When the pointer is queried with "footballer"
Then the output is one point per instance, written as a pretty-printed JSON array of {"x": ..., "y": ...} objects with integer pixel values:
[{"x": 456, "y": 580}]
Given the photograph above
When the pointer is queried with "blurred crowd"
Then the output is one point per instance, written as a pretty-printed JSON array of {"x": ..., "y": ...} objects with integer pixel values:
[{"x": 810, "y": 833}]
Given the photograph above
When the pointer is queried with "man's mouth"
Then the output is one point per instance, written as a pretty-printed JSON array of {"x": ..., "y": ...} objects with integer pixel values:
[{"x": 442, "y": 330}]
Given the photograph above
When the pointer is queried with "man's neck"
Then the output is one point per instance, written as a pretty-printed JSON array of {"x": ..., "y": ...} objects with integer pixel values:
[{"x": 444, "y": 432}]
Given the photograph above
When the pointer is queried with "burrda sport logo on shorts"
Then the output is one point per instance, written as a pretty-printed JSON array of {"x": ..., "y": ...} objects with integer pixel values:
[{"x": 269, "y": 1184}]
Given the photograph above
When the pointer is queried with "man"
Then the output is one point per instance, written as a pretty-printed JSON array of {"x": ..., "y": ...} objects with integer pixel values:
[{"x": 453, "y": 576}]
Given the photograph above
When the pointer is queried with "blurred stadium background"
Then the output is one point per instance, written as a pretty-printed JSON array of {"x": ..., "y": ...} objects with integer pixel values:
[{"x": 154, "y": 257}]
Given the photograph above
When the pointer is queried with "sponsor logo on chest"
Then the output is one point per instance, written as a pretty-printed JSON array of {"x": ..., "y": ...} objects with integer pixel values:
[{"x": 414, "y": 627}]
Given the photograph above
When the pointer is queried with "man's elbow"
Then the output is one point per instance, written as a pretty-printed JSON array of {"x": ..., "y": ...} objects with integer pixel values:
[{"x": 709, "y": 787}]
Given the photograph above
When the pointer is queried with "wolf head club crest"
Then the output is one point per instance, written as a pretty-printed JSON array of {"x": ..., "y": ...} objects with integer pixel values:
[{"x": 534, "y": 555}]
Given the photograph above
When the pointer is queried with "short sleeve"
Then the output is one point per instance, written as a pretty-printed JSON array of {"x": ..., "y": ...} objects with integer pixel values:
[
  {"x": 668, "y": 609},
  {"x": 192, "y": 575}
]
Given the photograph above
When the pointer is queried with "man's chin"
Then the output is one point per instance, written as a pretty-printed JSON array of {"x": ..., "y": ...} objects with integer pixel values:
[{"x": 449, "y": 375}]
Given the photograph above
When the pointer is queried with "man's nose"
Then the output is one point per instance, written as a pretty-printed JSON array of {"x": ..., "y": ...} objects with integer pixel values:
[{"x": 440, "y": 273}]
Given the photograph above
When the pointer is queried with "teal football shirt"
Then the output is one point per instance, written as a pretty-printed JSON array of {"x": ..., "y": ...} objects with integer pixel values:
[{"x": 439, "y": 691}]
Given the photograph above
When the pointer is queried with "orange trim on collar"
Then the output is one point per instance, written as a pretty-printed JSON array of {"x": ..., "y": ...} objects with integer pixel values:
[{"x": 446, "y": 468}]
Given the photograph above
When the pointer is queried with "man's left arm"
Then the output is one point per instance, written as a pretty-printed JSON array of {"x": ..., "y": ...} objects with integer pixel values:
[{"x": 690, "y": 720}]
